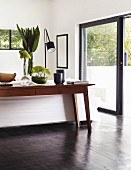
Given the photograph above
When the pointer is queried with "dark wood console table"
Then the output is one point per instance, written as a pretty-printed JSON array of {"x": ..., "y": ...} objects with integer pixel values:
[{"x": 73, "y": 89}]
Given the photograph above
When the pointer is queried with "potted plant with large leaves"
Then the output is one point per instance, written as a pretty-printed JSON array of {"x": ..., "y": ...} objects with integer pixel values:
[
  {"x": 30, "y": 38},
  {"x": 39, "y": 74}
]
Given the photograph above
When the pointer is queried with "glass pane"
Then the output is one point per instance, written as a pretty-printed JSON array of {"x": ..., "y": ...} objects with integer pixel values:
[
  {"x": 99, "y": 63},
  {"x": 4, "y": 39},
  {"x": 127, "y": 67},
  {"x": 16, "y": 41}
]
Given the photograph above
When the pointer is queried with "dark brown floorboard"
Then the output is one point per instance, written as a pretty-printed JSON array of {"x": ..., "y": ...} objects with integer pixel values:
[{"x": 64, "y": 147}]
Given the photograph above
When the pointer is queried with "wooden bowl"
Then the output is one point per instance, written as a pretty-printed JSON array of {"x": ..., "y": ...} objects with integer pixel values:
[{"x": 7, "y": 77}]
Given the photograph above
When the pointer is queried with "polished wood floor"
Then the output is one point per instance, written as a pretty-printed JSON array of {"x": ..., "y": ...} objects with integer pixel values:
[{"x": 63, "y": 147}]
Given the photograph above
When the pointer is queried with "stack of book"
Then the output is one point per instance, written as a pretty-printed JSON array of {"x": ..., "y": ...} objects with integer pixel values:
[{"x": 77, "y": 82}]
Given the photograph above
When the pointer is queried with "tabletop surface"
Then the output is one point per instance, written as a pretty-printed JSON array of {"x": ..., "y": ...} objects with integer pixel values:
[{"x": 44, "y": 86}]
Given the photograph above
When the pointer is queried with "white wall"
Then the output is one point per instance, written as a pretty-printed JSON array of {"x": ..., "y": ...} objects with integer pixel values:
[
  {"x": 25, "y": 13},
  {"x": 59, "y": 17},
  {"x": 69, "y": 13}
]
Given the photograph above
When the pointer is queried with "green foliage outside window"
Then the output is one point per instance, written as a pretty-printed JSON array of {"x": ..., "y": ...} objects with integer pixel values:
[
  {"x": 10, "y": 39},
  {"x": 101, "y": 42},
  {"x": 128, "y": 39},
  {"x": 16, "y": 40},
  {"x": 4, "y": 39},
  {"x": 101, "y": 45}
]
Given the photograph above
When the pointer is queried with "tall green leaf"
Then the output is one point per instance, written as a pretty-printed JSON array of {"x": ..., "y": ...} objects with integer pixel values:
[
  {"x": 21, "y": 31},
  {"x": 36, "y": 38}
]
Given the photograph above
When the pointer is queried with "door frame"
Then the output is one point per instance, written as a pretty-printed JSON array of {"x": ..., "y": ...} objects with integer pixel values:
[{"x": 119, "y": 61}]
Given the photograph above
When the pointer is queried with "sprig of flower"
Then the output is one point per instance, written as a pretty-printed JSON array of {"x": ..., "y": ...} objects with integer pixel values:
[{"x": 24, "y": 54}]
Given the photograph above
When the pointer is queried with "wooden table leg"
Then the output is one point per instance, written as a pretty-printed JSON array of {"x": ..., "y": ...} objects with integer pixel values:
[
  {"x": 87, "y": 109},
  {"x": 74, "y": 96}
]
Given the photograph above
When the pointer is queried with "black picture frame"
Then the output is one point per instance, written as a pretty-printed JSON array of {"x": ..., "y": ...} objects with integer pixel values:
[{"x": 62, "y": 51}]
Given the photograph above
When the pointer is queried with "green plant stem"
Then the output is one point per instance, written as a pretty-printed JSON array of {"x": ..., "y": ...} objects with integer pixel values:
[
  {"x": 24, "y": 67},
  {"x": 30, "y": 64}
]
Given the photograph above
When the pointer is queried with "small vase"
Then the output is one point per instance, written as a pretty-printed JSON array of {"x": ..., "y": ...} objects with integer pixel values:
[
  {"x": 58, "y": 78},
  {"x": 63, "y": 74},
  {"x": 25, "y": 80},
  {"x": 39, "y": 80}
]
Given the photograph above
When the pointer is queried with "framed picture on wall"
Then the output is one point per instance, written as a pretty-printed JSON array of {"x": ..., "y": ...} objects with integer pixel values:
[{"x": 62, "y": 51}]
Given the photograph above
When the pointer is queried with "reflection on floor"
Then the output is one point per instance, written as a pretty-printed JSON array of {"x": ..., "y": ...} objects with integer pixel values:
[{"x": 64, "y": 147}]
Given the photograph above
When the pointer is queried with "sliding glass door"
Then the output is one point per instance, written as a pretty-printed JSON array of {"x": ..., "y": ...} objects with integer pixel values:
[{"x": 99, "y": 62}]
